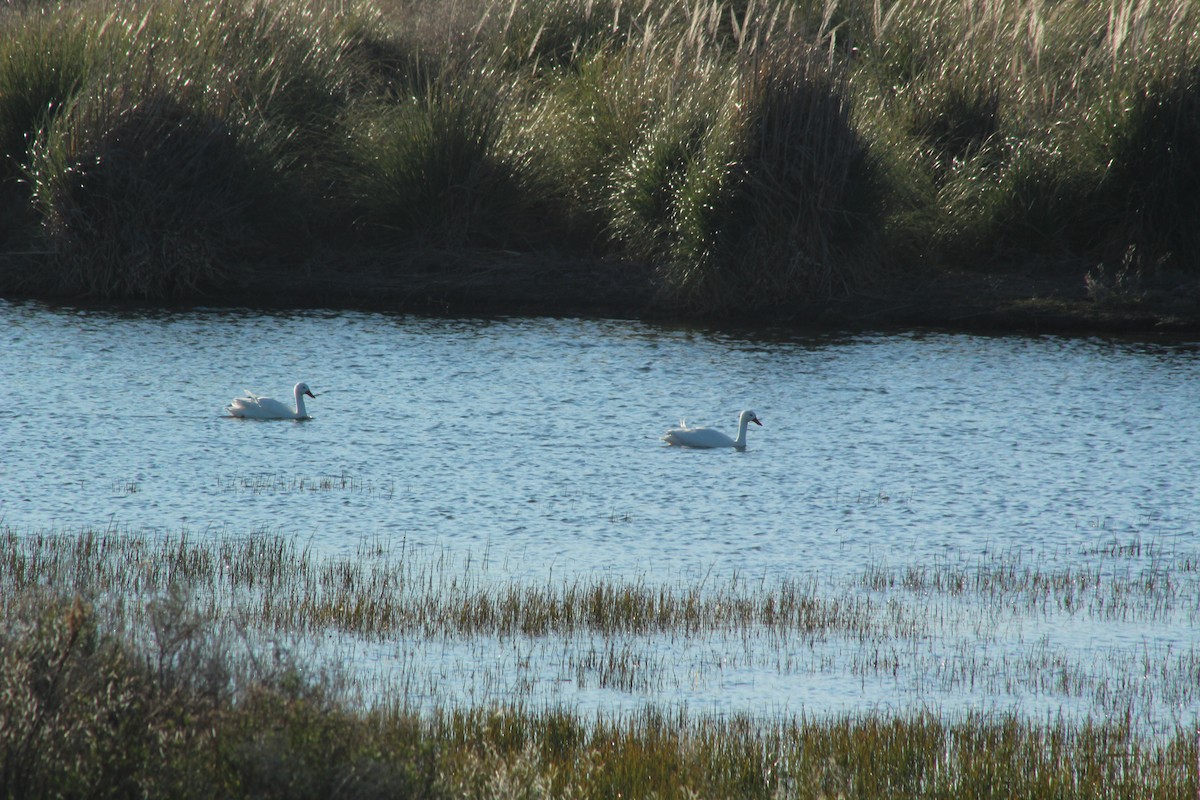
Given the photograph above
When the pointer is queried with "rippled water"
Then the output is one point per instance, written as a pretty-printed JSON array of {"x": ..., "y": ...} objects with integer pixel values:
[{"x": 536, "y": 443}]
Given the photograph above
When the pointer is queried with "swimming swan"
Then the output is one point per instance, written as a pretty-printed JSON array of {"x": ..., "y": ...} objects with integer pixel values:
[
  {"x": 707, "y": 437},
  {"x": 254, "y": 407}
]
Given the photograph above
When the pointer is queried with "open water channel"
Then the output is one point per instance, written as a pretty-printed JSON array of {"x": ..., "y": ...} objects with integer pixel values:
[{"x": 533, "y": 445}]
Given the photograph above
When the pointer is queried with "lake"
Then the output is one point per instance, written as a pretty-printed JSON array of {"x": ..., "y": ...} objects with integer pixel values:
[{"x": 533, "y": 447}]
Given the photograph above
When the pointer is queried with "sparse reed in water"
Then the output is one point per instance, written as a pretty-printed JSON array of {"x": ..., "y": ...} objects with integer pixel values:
[
  {"x": 946, "y": 629},
  {"x": 186, "y": 723}
]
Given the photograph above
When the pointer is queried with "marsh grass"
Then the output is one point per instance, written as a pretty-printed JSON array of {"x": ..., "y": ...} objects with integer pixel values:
[
  {"x": 154, "y": 159},
  {"x": 280, "y": 483},
  {"x": 1020, "y": 120},
  {"x": 196, "y": 665},
  {"x": 778, "y": 210},
  {"x": 960, "y": 627},
  {"x": 760, "y": 154},
  {"x": 125, "y": 644},
  {"x": 122, "y": 218},
  {"x": 433, "y": 169}
]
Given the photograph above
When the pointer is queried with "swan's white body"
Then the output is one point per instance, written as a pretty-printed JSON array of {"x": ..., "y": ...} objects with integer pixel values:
[
  {"x": 684, "y": 436},
  {"x": 254, "y": 407}
]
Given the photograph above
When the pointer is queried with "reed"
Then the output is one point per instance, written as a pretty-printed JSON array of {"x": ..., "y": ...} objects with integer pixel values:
[
  {"x": 279, "y": 483},
  {"x": 1022, "y": 118},
  {"x": 186, "y": 637},
  {"x": 433, "y": 169},
  {"x": 153, "y": 164},
  {"x": 936, "y": 630},
  {"x": 86, "y": 713},
  {"x": 777, "y": 209},
  {"x": 762, "y": 154}
]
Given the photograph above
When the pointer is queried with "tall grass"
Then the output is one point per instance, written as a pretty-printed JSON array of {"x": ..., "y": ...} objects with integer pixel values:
[
  {"x": 40, "y": 70},
  {"x": 124, "y": 675},
  {"x": 434, "y": 170},
  {"x": 759, "y": 155},
  {"x": 163, "y": 159},
  {"x": 141, "y": 197},
  {"x": 941, "y": 630},
  {"x": 1025, "y": 121},
  {"x": 777, "y": 207}
]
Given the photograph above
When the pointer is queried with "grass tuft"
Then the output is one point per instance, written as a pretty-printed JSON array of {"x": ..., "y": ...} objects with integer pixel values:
[{"x": 776, "y": 209}]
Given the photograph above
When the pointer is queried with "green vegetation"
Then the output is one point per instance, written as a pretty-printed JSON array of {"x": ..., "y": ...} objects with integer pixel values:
[
  {"x": 167, "y": 666},
  {"x": 760, "y": 156}
]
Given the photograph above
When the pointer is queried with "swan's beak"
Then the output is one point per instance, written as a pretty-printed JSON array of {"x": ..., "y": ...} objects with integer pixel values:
[
  {"x": 755, "y": 421},
  {"x": 314, "y": 397}
]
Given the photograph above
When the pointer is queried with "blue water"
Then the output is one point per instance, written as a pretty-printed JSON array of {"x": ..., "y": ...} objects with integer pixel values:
[{"x": 536, "y": 441}]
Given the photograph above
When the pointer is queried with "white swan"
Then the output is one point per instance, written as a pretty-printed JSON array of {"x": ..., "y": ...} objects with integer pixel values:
[
  {"x": 254, "y": 407},
  {"x": 707, "y": 437}
]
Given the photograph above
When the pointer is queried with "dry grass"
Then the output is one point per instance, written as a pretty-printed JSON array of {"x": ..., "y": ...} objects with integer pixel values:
[
  {"x": 761, "y": 155},
  {"x": 185, "y": 667}
]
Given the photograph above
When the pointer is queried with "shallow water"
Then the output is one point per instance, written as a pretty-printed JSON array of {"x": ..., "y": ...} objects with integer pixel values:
[{"x": 533, "y": 445}]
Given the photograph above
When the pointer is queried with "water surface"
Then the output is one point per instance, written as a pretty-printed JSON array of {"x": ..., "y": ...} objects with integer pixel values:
[{"x": 534, "y": 444}]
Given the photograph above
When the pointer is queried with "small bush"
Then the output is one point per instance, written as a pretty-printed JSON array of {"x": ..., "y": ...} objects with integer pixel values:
[
  {"x": 433, "y": 170},
  {"x": 1153, "y": 183},
  {"x": 76, "y": 716},
  {"x": 780, "y": 206},
  {"x": 141, "y": 197}
]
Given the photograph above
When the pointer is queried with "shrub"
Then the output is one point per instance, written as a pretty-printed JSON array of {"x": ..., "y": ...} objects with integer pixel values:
[
  {"x": 74, "y": 721},
  {"x": 781, "y": 205},
  {"x": 1153, "y": 183},
  {"x": 432, "y": 169},
  {"x": 142, "y": 197}
]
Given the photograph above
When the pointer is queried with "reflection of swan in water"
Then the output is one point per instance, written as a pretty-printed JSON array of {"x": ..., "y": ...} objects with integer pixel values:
[
  {"x": 707, "y": 437},
  {"x": 254, "y": 407}
]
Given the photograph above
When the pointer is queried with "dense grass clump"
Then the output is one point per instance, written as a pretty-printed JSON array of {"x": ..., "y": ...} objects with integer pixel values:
[
  {"x": 434, "y": 170},
  {"x": 776, "y": 209},
  {"x": 1155, "y": 178},
  {"x": 140, "y": 197},
  {"x": 43, "y": 66},
  {"x": 173, "y": 143},
  {"x": 1024, "y": 124},
  {"x": 753, "y": 155}
]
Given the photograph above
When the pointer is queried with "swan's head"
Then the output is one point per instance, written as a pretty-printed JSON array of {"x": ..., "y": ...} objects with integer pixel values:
[
  {"x": 302, "y": 388},
  {"x": 749, "y": 416}
]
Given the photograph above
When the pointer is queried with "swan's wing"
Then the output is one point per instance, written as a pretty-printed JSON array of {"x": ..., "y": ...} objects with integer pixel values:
[
  {"x": 249, "y": 400},
  {"x": 697, "y": 437},
  {"x": 260, "y": 408},
  {"x": 676, "y": 435},
  {"x": 273, "y": 407},
  {"x": 239, "y": 404}
]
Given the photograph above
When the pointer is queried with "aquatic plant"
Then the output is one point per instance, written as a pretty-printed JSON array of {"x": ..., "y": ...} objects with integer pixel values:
[
  {"x": 612, "y": 633},
  {"x": 89, "y": 711}
]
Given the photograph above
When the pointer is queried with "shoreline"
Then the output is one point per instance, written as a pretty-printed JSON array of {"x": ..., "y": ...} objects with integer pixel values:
[{"x": 506, "y": 283}]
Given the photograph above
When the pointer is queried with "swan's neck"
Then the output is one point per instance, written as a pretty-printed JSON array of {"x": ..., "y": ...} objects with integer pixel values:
[
  {"x": 300, "y": 412},
  {"x": 740, "y": 441}
]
